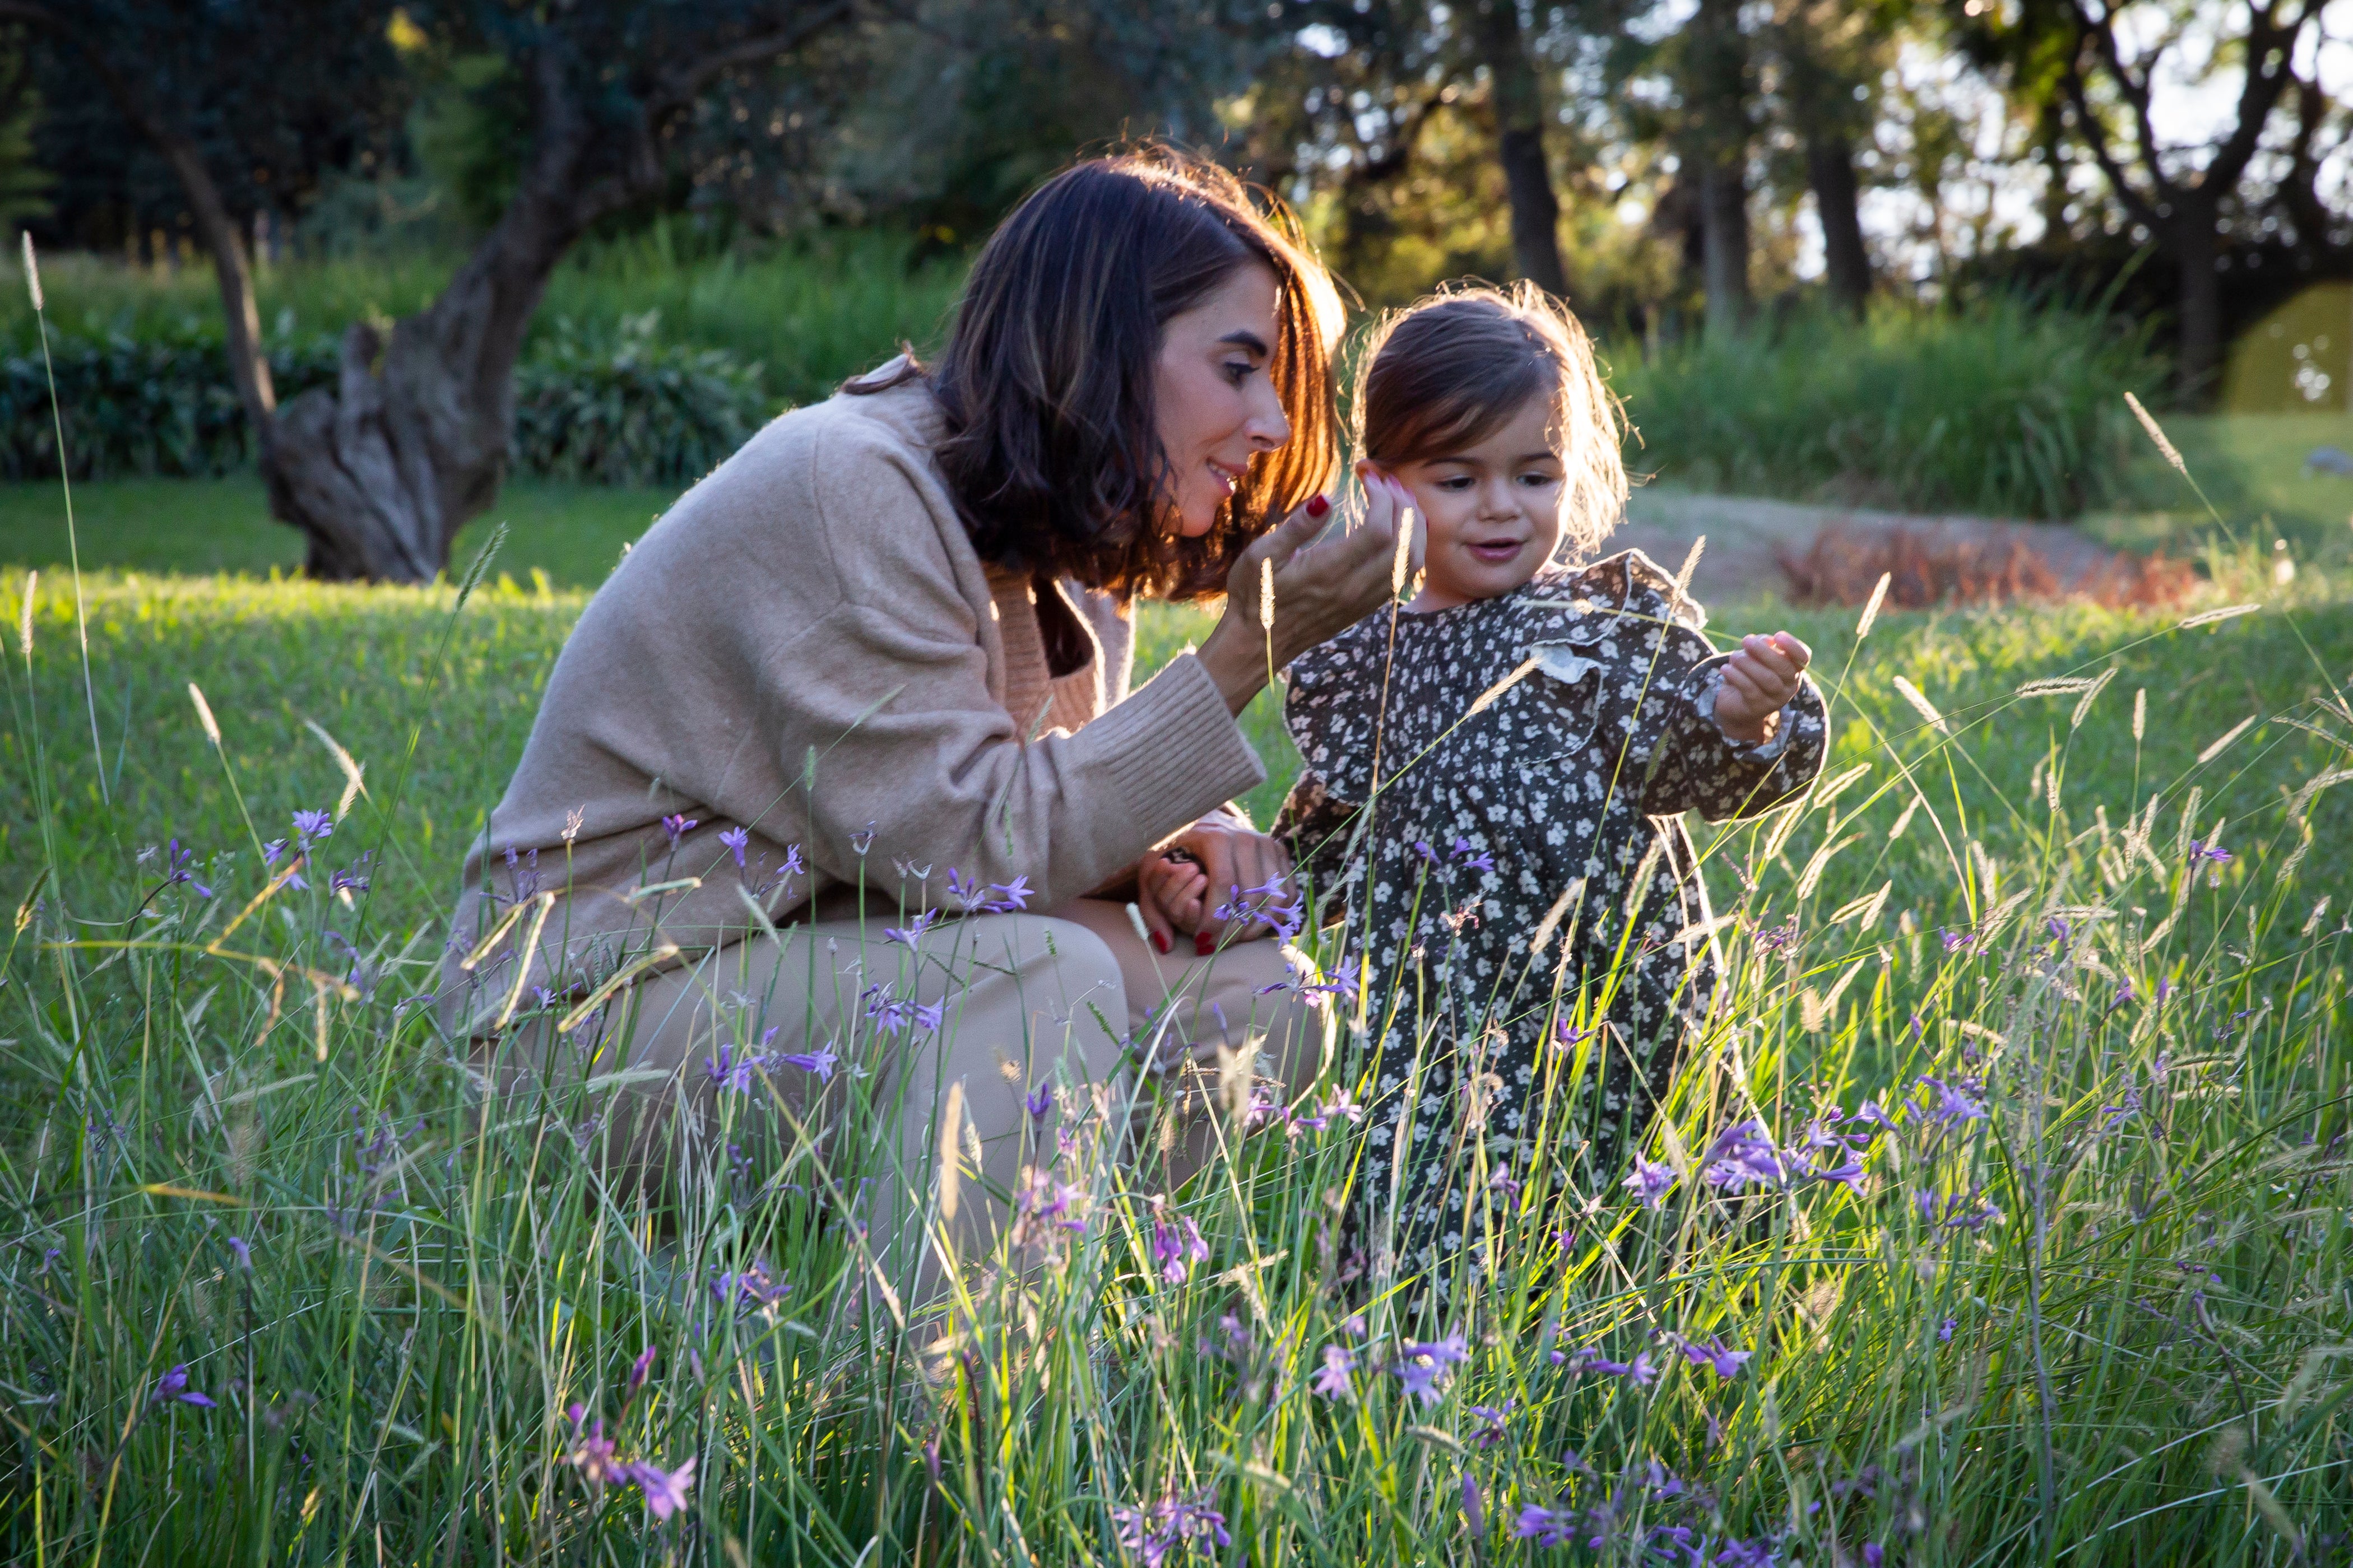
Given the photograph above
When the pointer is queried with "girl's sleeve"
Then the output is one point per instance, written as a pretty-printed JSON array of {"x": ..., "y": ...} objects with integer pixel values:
[
  {"x": 1697, "y": 767},
  {"x": 1331, "y": 721}
]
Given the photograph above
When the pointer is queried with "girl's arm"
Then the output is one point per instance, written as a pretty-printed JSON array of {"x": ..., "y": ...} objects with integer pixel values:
[{"x": 1694, "y": 767}]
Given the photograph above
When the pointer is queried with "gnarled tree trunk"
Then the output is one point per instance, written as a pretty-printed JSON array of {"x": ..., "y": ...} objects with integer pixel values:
[{"x": 1518, "y": 103}]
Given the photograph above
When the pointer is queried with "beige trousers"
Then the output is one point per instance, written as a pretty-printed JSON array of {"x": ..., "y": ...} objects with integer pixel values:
[{"x": 989, "y": 1013}]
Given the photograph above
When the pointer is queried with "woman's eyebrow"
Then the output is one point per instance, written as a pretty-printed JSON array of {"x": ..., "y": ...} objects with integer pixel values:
[{"x": 1246, "y": 339}]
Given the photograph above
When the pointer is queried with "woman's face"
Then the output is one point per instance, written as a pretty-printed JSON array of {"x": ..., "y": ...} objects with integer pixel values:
[{"x": 1217, "y": 408}]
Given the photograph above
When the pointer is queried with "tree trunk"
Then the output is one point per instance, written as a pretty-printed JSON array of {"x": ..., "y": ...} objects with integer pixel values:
[
  {"x": 2198, "y": 348},
  {"x": 1724, "y": 230},
  {"x": 1518, "y": 102},
  {"x": 1830, "y": 170},
  {"x": 411, "y": 445}
]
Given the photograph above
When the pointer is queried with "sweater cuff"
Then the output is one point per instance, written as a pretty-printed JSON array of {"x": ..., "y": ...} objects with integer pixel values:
[{"x": 1173, "y": 751}]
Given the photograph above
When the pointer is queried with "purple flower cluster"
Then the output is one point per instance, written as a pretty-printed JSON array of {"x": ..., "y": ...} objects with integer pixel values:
[
  {"x": 592, "y": 1455},
  {"x": 736, "y": 1072},
  {"x": 1263, "y": 905},
  {"x": 1177, "y": 1246},
  {"x": 1642, "y": 1372},
  {"x": 1714, "y": 1354},
  {"x": 892, "y": 1014},
  {"x": 753, "y": 1288},
  {"x": 1957, "y": 1211},
  {"x": 990, "y": 899},
  {"x": 172, "y": 1388},
  {"x": 1164, "y": 1532},
  {"x": 1424, "y": 1368},
  {"x": 1651, "y": 1181}
]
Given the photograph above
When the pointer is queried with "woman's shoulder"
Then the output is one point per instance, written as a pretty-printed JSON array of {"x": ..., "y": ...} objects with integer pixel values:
[{"x": 831, "y": 489}]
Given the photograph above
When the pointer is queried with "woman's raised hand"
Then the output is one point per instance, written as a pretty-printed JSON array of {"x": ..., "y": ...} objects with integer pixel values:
[{"x": 1323, "y": 585}]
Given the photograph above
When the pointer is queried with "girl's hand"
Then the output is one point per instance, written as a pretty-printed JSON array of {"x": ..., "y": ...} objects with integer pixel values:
[
  {"x": 1321, "y": 589},
  {"x": 1757, "y": 683},
  {"x": 1172, "y": 895}
]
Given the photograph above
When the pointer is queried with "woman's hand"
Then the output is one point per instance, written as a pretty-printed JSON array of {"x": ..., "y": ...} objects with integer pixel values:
[
  {"x": 1320, "y": 590},
  {"x": 1215, "y": 856}
]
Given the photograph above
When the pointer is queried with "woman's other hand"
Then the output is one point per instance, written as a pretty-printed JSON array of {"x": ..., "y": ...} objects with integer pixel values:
[
  {"x": 1172, "y": 895},
  {"x": 1179, "y": 898},
  {"x": 1322, "y": 587}
]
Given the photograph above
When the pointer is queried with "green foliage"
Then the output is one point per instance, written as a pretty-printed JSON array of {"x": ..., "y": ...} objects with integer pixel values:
[
  {"x": 619, "y": 408},
  {"x": 2003, "y": 408},
  {"x": 627, "y": 410},
  {"x": 468, "y": 132}
]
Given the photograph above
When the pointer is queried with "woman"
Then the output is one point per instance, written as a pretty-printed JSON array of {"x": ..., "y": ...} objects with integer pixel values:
[{"x": 877, "y": 663}]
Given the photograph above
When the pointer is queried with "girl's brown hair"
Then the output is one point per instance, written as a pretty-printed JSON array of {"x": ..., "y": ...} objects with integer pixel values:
[
  {"x": 1449, "y": 370},
  {"x": 1052, "y": 446}
]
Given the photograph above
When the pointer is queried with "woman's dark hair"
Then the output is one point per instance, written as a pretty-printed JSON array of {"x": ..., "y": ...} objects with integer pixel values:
[
  {"x": 1452, "y": 368},
  {"x": 1052, "y": 445}
]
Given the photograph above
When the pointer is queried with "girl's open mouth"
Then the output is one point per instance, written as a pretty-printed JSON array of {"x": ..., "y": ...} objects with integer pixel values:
[{"x": 1496, "y": 551}]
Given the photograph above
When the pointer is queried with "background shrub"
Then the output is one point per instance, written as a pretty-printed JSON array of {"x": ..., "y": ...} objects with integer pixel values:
[{"x": 2006, "y": 408}]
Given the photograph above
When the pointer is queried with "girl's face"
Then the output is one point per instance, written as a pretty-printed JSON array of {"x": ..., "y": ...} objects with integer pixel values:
[
  {"x": 1216, "y": 407},
  {"x": 1491, "y": 511}
]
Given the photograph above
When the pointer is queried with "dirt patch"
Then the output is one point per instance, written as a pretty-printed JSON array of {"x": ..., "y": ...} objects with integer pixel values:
[{"x": 1792, "y": 551}]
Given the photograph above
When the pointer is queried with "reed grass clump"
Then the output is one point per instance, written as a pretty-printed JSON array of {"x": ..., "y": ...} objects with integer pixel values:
[{"x": 2000, "y": 1213}]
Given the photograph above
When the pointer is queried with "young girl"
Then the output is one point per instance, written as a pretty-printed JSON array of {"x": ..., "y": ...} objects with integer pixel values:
[{"x": 1511, "y": 861}]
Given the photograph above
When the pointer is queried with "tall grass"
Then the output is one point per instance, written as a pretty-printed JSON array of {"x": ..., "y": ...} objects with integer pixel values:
[
  {"x": 2003, "y": 408},
  {"x": 2114, "y": 1336}
]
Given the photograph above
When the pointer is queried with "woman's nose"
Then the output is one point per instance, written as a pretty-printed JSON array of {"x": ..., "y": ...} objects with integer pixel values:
[{"x": 1269, "y": 427}]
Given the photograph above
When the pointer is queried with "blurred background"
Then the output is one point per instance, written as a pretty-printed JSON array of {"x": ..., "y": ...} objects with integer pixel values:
[{"x": 1868, "y": 259}]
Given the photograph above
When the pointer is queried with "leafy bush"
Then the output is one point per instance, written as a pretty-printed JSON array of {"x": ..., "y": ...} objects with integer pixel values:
[
  {"x": 634, "y": 412},
  {"x": 2007, "y": 408},
  {"x": 620, "y": 408}
]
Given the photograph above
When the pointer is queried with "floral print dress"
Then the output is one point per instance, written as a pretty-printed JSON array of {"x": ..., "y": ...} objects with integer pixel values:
[{"x": 1552, "y": 810}]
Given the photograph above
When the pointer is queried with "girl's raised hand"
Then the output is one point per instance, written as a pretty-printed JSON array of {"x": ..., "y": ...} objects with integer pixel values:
[{"x": 1758, "y": 681}]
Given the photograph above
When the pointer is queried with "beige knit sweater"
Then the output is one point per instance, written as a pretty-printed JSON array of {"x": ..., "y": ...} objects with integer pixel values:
[{"x": 807, "y": 649}]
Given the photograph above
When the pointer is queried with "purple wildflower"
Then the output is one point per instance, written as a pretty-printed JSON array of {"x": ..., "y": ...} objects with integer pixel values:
[
  {"x": 1743, "y": 1156},
  {"x": 176, "y": 870},
  {"x": 1715, "y": 1354},
  {"x": 1163, "y": 1532},
  {"x": 1954, "y": 1104},
  {"x": 1423, "y": 852},
  {"x": 1873, "y": 1554},
  {"x": 271, "y": 851},
  {"x": 1545, "y": 1526},
  {"x": 732, "y": 1072},
  {"x": 592, "y": 1453},
  {"x": 2214, "y": 853},
  {"x": 1177, "y": 1246},
  {"x": 2164, "y": 990},
  {"x": 929, "y": 1016},
  {"x": 172, "y": 1386},
  {"x": 736, "y": 839},
  {"x": 1493, "y": 1432},
  {"x": 863, "y": 840},
  {"x": 313, "y": 825},
  {"x": 1007, "y": 896},
  {"x": 640, "y": 1368},
  {"x": 1469, "y": 853},
  {"x": 1332, "y": 1380},
  {"x": 820, "y": 1062},
  {"x": 912, "y": 932},
  {"x": 2058, "y": 929},
  {"x": 1424, "y": 1368},
  {"x": 244, "y": 1253},
  {"x": 1957, "y": 940},
  {"x": 1759, "y": 1553},
  {"x": 1958, "y": 1211},
  {"x": 1945, "y": 1330},
  {"x": 1651, "y": 1181},
  {"x": 1475, "y": 1506},
  {"x": 1038, "y": 1102},
  {"x": 665, "y": 1489}
]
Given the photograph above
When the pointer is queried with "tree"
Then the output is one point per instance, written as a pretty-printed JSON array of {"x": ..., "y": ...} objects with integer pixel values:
[
  {"x": 1830, "y": 55},
  {"x": 2104, "y": 60},
  {"x": 381, "y": 470},
  {"x": 1716, "y": 83},
  {"x": 1516, "y": 101}
]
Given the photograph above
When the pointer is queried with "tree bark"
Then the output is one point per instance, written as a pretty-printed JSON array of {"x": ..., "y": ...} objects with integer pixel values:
[
  {"x": 1724, "y": 241},
  {"x": 1846, "y": 263},
  {"x": 1518, "y": 103},
  {"x": 2198, "y": 347}
]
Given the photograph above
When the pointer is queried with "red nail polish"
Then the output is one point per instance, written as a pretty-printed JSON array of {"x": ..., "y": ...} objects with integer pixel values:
[
  {"x": 1204, "y": 944},
  {"x": 1317, "y": 506},
  {"x": 1160, "y": 940}
]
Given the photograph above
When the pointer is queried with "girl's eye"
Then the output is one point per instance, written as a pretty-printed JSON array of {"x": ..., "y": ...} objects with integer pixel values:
[
  {"x": 1456, "y": 483},
  {"x": 1238, "y": 371}
]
